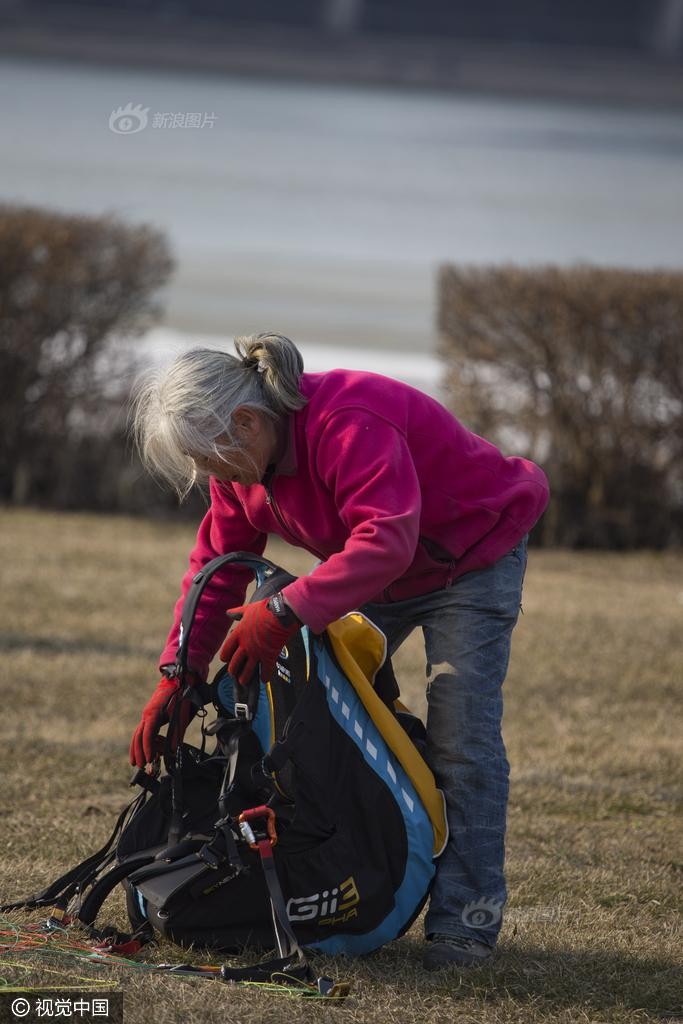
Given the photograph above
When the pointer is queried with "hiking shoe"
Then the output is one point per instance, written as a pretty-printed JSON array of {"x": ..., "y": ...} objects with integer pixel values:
[{"x": 454, "y": 951}]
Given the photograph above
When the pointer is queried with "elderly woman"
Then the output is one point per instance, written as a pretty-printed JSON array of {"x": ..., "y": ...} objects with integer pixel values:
[{"x": 416, "y": 521}]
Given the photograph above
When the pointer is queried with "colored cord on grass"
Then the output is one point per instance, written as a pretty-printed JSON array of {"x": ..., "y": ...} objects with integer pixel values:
[{"x": 32, "y": 939}]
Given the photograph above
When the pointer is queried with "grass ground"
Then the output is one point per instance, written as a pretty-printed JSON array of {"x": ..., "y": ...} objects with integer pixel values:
[{"x": 592, "y": 931}]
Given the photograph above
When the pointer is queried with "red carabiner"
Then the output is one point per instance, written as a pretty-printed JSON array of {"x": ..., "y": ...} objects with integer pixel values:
[{"x": 261, "y": 812}]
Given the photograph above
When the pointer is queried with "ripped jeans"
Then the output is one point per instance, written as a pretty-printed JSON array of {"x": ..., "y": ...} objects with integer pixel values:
[{"x": 467, "y": 630}]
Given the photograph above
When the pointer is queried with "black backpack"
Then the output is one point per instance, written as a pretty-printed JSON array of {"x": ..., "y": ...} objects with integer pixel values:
[{"x": 315, "y": 818}]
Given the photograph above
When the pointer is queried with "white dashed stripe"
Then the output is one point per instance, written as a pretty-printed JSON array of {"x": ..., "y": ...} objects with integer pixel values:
[{"x": 369, "y": 746}]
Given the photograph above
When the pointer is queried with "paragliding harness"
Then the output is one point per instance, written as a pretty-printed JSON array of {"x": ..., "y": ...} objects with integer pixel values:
[{"x": 315, "y": 818}]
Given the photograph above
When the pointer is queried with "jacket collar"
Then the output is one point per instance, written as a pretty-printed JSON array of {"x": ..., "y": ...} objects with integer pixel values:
[{"x": 287, "y": 464}]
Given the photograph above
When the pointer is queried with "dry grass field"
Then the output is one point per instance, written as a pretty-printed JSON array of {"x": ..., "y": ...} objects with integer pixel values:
[{"x": 595, "y": 858}]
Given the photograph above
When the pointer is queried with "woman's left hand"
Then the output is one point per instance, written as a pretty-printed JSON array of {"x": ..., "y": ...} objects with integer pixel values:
[{"x": 258, "y": 637}]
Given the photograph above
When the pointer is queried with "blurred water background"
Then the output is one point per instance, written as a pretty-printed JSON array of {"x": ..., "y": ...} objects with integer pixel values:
[{"x": 322, "y": 210}]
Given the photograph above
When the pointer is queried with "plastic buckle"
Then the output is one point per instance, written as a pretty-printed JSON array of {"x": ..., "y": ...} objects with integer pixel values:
[
  {"x": 210, "y": 857},
  {"x": 242, "y": 712},
  {"x": 147, "y": 781}
]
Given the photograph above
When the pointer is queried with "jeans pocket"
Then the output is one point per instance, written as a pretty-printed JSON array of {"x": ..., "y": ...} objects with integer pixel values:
[
  {"x": 518, "y": 556},
  {"x": 524, "y": 558},
  {"x": 519, "y": 552}
]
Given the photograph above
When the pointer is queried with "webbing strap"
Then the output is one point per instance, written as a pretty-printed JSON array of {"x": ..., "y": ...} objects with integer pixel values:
[
  {"x": 233, "y": 750},
  {"x": 99, "y": 892},
  {"x": 287, "y": 943},
  {"x": 175, "y": 828},
  {"x": 262, "y": 569},
  {"x": 80, "y": 875},
  {"x": 279, "y": 970},
  {"x": 228, "y": 733}
]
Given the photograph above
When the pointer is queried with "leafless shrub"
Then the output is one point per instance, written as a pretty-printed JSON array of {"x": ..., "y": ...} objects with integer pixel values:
[
  {"x": 75, "y": 292},
  {"x": 580, "y": 369}
]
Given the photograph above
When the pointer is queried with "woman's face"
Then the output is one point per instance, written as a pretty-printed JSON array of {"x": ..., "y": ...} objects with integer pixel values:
[{"x": 260, "y": 442}]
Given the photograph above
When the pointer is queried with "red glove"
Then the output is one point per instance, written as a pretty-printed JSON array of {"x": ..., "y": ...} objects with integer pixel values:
[
  {"x": 263, "y": 630},
  {"x": 146, "y": 743}
]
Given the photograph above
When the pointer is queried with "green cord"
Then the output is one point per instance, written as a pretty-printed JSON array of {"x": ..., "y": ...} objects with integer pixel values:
[{"x": 50, "y": 947}]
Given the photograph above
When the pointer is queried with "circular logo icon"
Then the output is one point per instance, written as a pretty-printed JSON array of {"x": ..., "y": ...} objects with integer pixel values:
[
  {"x": 482, "y": 913},
  {"x": 129, "y": 119},
  {"x": 20, "y": 1007}
]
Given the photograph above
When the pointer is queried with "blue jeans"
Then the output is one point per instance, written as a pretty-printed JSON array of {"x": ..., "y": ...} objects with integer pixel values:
[{"x": 467, "y": 629}]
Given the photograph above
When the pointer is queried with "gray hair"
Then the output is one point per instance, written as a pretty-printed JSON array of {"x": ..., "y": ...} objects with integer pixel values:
[{"x": 184, "y": 410}]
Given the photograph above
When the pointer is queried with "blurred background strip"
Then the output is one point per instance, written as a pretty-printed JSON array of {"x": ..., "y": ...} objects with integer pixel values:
[
  {"x": 630, "y": 50},
  {"x": 310, "y": 167}
]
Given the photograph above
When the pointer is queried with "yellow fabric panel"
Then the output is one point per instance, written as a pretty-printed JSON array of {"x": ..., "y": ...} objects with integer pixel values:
[
  {"x": 355, "y": 643},
  {"x": 367, "y": 644}
]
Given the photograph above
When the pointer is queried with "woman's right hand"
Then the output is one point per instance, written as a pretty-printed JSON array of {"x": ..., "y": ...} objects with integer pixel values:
[{"x": 146, "y": 743}]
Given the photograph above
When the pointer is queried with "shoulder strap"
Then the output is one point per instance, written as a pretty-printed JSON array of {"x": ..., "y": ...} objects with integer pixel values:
[
  {"x": 261, "y": 568},
  {"x": 90, "y": 907}
]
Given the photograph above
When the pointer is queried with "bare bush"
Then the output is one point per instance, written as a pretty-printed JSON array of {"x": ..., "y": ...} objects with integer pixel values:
[
  {"x": 74, "y": 293},
  {"x": 580, "y": 369}
]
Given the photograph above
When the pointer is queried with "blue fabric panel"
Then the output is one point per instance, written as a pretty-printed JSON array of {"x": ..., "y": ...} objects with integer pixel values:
[{"x": 349, "y": 712}]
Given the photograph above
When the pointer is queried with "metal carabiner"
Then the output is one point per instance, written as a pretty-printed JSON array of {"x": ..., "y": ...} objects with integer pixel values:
[{"x": 258, "y": 812}]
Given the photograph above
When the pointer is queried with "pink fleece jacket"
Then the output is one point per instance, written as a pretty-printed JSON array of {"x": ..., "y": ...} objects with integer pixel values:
[{"x": 384, "y": 485}]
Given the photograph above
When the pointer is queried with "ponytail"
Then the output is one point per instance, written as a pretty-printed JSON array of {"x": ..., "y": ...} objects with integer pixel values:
[{"x": 279, "y": 363}]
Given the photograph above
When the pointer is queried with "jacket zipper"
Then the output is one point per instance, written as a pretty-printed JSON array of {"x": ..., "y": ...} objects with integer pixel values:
[{"x": 270, "y": 501}]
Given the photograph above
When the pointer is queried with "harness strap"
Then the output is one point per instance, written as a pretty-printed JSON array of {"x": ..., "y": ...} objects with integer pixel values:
[
  {"x": 261, "y": 567},
  {"x": 175, "y": 829},
  {"x": 279, "y": 969},
  {"x": 287, "y": 942},
  {"x": 67, "y": 884},
  {"x": 224, "y": 832},
  {"x": 90, "y": 907},
  {"x": 229, "y": 746},
  {"x": 232, "y": 751}
]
